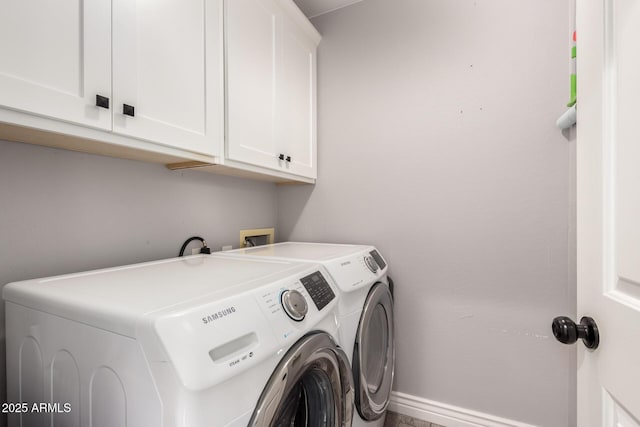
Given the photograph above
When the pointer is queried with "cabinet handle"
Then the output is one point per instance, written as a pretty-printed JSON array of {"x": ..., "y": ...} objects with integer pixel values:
[
  {"x": 128, "y": 110},
  {"x": 289, "y": 159},
  {"x": 281, "y": 156},
  {"x": 102, "y": 101}
]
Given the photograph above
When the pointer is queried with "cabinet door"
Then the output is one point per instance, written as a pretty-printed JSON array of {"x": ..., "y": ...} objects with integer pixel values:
[
  {"x": 167, "y": 66},
  {"x": 296, "y": 93},
  {"x": 55, "y": 57},
  {"x": 251, "y": 30}
]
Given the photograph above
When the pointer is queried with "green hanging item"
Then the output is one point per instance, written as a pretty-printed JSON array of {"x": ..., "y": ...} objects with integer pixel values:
[{"x": 573, "y": 99}]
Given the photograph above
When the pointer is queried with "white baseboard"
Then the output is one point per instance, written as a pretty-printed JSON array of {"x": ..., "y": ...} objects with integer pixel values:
[{"x": 446, "y": 415}]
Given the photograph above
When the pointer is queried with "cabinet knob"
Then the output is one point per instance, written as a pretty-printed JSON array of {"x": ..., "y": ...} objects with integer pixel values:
[
  {"x": 128, "y": 110},
  {"x": 289, "y": 159},
  {"x": 102, "y": 101},
  {"x": 281, "y": 156}
]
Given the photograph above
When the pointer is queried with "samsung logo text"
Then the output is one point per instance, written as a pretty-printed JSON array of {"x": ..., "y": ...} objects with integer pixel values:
[{"x": 218, "y": 315}]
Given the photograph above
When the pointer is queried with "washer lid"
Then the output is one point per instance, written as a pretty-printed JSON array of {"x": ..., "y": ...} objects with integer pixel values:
[{"x": 115, "y": 299}]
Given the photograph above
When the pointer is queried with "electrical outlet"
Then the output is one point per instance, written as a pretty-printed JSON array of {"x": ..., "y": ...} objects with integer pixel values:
[{"x": 261, "y": 236}]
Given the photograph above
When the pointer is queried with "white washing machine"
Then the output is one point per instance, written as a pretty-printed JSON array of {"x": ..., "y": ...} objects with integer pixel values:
[
  {"x": 365, "y": 315},
  {"x": 197, "y": 341}
]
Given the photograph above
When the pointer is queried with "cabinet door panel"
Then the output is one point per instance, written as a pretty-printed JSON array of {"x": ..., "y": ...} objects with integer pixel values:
[
  {"x": 166, "y": 64},
  {"x": 296, "y": 100},
  {"x": 55, "y": 57},
  {"x": 251, "y": 79}
]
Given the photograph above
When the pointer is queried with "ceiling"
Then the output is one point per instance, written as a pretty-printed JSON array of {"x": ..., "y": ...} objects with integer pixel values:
[{"x": 313, "y": 8}]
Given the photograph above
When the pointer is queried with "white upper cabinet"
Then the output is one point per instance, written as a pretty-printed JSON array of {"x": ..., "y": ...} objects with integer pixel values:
[
  {"x": 271, "y": 86},
  {"x": 225, "y": 85},
  {"x": 251, "y": 81},
  {"x": 167, "y": 65},
  {"x": 297, "y": 99},
  {"x": 55, "y": 57},
  {"x": 162, "y": 60}
]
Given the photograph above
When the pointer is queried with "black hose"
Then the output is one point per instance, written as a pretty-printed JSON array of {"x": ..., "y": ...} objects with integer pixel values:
[{"x": 189, "y": 240}]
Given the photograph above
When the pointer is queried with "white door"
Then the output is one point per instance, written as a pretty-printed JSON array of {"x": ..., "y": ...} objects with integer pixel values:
[
  {"x": 251, "y": 39},
  {"x": 608, "y": 162},
  {"x": 296, "y": 100},
  {"x": 167, "y": 67},
  {"x": 55, "y": 58}
]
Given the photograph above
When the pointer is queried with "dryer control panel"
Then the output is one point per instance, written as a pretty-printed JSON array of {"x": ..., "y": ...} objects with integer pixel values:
[
  {"x": 378, "y": 259},
  {"x": 357, "y": 270}
]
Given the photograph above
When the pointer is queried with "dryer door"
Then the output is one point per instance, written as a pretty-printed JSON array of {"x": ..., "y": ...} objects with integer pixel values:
[
  {"x": 374, "y": 354},
  {"x": 311, "y": 386}
]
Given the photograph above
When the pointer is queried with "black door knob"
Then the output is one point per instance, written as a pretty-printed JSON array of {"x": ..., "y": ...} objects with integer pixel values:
[
  {"x": 281, "y": 156},
  {"x": 289, "y": 159},
  {"x": 566, "y": 331}
]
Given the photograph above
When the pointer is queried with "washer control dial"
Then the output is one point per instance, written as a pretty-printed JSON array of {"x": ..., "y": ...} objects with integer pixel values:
[
  {"x": 371, "y": 263},
  {"x": 294, "y": 304}
]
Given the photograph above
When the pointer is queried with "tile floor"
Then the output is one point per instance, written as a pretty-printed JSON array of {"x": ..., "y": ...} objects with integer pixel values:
[{"x": 397, "y": 420}]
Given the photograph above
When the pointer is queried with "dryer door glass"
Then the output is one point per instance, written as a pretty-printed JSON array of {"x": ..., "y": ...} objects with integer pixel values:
[
  {"x": 376, "y": 337},
  {"x": 374, "y": 354},
  {"x": 311, "y": 387}
]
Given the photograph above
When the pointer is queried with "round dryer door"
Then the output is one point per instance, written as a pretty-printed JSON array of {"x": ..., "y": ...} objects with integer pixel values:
[
  {"x": 312, "y": 386},
  {"x": 374, "y": 354}
]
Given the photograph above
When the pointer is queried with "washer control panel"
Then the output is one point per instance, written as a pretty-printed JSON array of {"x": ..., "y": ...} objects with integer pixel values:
[
  {"x": 211, "y": 338},
  {"x": 319, "y": 290}
]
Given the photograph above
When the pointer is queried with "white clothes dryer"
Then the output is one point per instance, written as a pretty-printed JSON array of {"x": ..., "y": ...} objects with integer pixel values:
[
  {"x": 365, "y": 313},
  {"x": 198, "y": 341}
]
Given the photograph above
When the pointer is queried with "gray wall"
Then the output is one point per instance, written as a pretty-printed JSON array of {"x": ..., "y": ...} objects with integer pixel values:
[
  {"x": 437, "y": 144},
  {"x": 62, "y": 212}
]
